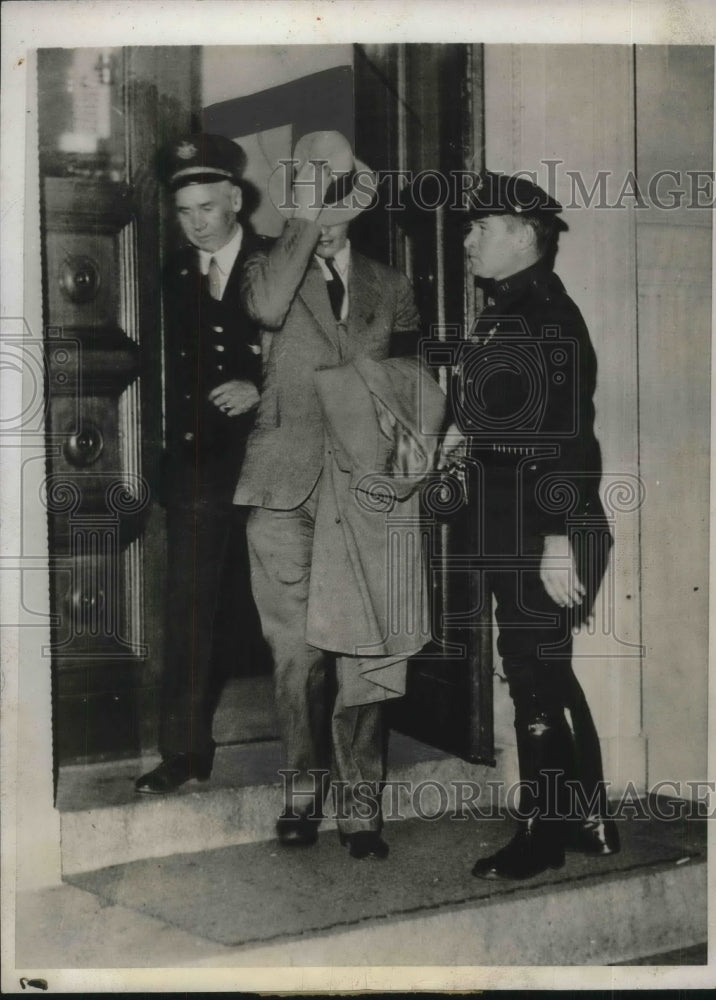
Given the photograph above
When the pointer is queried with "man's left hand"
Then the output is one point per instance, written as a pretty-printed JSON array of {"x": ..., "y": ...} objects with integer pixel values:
[
  {"x": 558, "y": 572},
  {"x": 235, "y": 397}
]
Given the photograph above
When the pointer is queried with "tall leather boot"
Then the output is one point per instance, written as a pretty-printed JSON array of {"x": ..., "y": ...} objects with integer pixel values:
[
  {"x": 590, "y": 829},
  {"x": 544, "y": 748}
]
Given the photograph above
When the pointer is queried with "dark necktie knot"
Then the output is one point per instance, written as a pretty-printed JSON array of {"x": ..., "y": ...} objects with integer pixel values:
[{"x": 336, "y": 289}]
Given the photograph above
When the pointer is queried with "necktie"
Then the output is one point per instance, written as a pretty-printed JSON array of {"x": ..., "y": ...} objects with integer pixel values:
[
  {"x": 336, "y": 291},
  {"x": 214, "y": 279}
]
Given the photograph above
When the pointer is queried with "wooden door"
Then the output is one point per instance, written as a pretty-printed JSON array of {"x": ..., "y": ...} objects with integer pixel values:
[
  {"x": 418, "y": 112},
  {"x": 103, "y": 114}
]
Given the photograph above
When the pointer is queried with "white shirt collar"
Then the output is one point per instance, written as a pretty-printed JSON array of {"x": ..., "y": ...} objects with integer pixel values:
[{"x": 225, "y": 256}]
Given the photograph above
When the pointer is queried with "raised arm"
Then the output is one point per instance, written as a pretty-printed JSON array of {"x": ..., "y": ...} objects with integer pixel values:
[{"x": 271, "y": 280}]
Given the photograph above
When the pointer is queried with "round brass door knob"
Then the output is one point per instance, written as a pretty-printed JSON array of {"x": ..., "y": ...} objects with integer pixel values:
[
  {"x": 84, "y": 447},
  {"x": 79, "y": 279}
]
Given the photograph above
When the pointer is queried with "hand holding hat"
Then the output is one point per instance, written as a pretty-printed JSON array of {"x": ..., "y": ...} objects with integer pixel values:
[
  {"x": 329, "y": 184},
  {"x": 310, "y": 184}
]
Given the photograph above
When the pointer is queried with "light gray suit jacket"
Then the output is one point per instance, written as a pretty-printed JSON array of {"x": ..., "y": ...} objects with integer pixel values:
[{"x": 285, "y": 292}]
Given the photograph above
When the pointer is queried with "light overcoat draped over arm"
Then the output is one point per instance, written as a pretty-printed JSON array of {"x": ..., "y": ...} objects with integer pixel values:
[{"x": 368, "y": 594}]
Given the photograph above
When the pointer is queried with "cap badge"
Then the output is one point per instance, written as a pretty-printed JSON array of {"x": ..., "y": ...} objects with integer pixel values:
[{"x": 186, "y": 150}]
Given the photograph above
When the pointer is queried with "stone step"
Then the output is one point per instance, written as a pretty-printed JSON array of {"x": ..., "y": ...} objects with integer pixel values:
[
  {"x": 197, "y": 879},
  {"x": 257, "y": 905},
  {"x": 104, "y": 822}
]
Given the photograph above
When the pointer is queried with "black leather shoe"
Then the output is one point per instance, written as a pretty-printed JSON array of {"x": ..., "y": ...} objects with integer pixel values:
[
  {"x": 365, "y": 844},
  {"x": 528, "y": 854},
  {"x": 593, "y": 836},
  {"x": 175, "y": 771},
  {"x": 297, "y": 831}
]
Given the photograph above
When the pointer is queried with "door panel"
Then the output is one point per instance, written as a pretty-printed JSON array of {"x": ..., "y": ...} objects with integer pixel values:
[
  {"x": 103, "y": 113},
  {"x": 416, "y": 113}
]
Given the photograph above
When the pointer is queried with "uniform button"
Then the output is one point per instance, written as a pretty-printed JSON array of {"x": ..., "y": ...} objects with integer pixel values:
[
  {"x": 218, "y": 329},
  {"x": 219, "y": 347},
  {"x": 187, "y": 395},
  {"x": 219, "y": 368},
  {"x": 189, "y": 436},
  {"x": 182, "y": 354},
  {"x": 533, "y": 468}
]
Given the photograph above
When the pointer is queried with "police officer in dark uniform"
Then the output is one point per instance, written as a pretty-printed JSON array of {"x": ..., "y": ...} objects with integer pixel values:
[
  {"x": 212, "y": 370},
  {"x": 524, "y": 409}
]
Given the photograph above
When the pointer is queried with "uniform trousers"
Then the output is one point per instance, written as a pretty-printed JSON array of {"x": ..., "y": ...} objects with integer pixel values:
[
  {"x": 535, "y": 645},
  {"x": 207, "y": 566},
  {"x": 319, "y": 731}
]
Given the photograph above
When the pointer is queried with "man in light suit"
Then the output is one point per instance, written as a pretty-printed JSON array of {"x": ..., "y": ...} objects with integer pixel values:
[{"x": 320, "y": 304}]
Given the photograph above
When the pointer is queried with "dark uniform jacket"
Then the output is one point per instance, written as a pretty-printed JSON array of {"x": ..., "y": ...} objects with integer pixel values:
[
  {"x": 526, "y": 400},
  {"x": 208, "y": 342}
]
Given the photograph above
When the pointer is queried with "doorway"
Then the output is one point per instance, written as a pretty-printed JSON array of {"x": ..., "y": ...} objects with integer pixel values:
[{"x": 104, "y": 115}]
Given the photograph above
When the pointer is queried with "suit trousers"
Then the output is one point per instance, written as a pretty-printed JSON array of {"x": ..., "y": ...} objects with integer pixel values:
[{"x": 319, "y": 732}]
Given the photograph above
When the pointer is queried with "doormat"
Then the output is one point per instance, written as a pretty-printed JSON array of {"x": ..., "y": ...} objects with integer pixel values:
[{"x": 261, "y": 892}]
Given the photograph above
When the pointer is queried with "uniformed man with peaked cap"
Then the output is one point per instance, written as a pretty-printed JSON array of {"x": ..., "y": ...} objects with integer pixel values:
[
  {"x": 524, "y": 407},
  {"x": 212, "y": 370}
]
